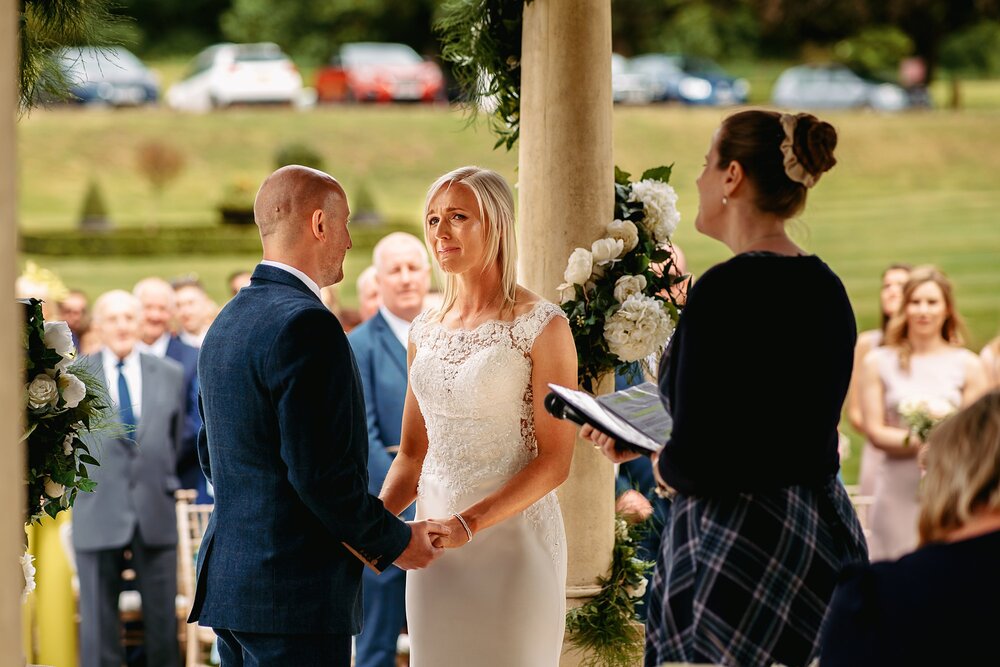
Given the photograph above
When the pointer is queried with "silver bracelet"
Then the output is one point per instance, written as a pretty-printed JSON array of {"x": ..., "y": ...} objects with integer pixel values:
[{"x": 468, "y": 530}]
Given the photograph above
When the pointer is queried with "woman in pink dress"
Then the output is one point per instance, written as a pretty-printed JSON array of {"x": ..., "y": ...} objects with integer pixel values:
[
  {"x": 921, "y": 360},
  {"x": 890, "y": 297}
]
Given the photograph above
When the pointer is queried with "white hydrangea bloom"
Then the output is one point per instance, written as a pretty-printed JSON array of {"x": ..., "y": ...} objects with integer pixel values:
[
  {"x": 639, "y": 328},
  {"x": 29, "y": 575},
  {"x": 659, "y": 202},
  {"x": 626, "y": 231},
  {"x": 626, "y": 286}
]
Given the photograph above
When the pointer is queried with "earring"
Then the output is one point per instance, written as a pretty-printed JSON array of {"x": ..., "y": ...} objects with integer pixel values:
[{"x": 725, "y": 200}]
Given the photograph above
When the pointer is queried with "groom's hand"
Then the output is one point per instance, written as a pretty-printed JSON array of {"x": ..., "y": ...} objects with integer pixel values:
[{"x": 421, "y": 550}]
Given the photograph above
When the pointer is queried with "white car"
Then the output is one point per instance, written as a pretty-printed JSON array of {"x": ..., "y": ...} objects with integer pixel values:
[{"x": 227, "y": 74}]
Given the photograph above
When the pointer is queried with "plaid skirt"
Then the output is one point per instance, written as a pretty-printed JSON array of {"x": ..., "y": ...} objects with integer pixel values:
[{"x": 745, "y": 580}]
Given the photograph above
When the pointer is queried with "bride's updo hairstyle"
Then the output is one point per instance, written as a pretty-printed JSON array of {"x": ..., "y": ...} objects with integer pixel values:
[
  {"x": 496, "y": 209},
  {"x": 782, "y": 155}
]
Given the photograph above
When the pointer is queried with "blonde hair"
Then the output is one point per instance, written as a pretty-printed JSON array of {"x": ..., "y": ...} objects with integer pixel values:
[
  {"x": 496, "y": 209},
  {"x": 963, "y": 469},
  {"x": 897, "y": 332}
]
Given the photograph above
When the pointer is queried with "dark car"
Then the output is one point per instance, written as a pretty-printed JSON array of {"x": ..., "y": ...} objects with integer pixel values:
[
  {"x": 107, "y": 76},
  {"x": 689, "y": 80},
  {"x": 833, "y": 86},
  {"x": 380, "y": 72}
]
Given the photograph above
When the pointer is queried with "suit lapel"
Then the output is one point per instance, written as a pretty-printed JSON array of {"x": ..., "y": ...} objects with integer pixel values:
[{"x": 389, "y": 342}]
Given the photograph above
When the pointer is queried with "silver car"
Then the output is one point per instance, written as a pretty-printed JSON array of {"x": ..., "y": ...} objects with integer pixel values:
[{"x": 835, "y": 87}]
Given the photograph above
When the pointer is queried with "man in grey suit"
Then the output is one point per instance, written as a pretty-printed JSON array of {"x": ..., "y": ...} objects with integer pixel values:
[
  {"x": 133, "y": 505},
  {"x": 403, "y": 276}
]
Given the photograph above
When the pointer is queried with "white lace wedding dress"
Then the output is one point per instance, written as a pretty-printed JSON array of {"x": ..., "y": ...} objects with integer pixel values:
[{"x": 499, "y": 601}]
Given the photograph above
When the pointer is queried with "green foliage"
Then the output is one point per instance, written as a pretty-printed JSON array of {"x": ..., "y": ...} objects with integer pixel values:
[
  {"x": 605, "y": 628},
  {"x": 482, "y": 40},
  {"x": 165, "y": 241},
  {"x": 701, "y": 29},
  {"x": 298, "y": 153},
  {"x": 44, "y": 27},
  {"x": 975, "y": 50},
  {"x": 57, "y": 456},
  {"x": 312, "y": 31},
  {"x": 875, "y": 51}
]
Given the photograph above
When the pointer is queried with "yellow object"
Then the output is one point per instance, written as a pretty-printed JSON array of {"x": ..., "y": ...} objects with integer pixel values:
[{"x": 50, "y": 626}]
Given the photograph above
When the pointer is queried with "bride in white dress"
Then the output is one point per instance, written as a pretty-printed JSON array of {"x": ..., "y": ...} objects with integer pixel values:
[{"x": 478, "y": 451}]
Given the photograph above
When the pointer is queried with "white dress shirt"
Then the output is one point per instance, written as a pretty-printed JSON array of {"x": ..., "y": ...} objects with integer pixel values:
[
  {"x": 158, "y": 348},
  {"x": 133, "y": 376},
  {"x": 400, "y": 327},
  {"x": 309, "y": 282}
]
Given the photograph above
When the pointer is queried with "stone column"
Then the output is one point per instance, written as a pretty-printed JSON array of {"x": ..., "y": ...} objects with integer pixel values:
[
  {"x": 12, "y": 466},
  {"x": 566, "y": 196}
]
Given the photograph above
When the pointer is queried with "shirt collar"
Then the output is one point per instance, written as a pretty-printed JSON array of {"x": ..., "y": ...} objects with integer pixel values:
[
  {"x": 309, "y": 282},
  {"x": 110, "y": 359},
  {"x": 158, "y": 347},
  {"x": 400, "y": 327}
]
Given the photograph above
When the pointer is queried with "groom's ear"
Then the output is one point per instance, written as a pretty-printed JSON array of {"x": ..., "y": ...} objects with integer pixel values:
[{"x": 318, "y": 224}]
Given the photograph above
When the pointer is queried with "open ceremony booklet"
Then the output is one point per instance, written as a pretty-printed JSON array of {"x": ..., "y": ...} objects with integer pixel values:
[{"x": 634, "y": 417}]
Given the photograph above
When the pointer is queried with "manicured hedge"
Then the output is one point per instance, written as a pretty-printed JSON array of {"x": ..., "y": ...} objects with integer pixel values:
[{"x": 203, "y": 240}]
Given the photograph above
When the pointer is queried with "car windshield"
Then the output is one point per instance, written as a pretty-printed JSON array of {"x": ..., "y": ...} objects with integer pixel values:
[
  {"x": 356, "y": 55},
  {"x": 94, "y": 64},
  {"x": 256, "y": 54}
]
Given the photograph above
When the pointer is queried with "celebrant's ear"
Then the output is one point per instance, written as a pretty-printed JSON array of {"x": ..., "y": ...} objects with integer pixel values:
[{"x": 734, "y": 177}]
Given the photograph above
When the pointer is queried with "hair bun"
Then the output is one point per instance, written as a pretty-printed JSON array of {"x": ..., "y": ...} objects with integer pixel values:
[{"x": 814, "y": 143}]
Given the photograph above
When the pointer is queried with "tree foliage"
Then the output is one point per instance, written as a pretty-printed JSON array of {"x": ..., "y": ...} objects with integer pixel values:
[{"x": 44, "y": 27}]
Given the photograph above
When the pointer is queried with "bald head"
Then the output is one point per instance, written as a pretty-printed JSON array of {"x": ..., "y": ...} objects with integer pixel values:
[{"x": 288, "y": 197}]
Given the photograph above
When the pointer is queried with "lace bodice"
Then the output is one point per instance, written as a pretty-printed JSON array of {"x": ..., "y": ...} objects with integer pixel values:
[{"x": 474, "y": 391}]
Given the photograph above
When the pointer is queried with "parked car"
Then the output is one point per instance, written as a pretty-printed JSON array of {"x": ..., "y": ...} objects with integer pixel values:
[
  {"x": 226, "y": 74},
  {"x": 379, "y": 72},
  {"x": 689, "y": 80},
  {"x": 835, "y": 87},
  {"x": 107, "y": 76},
  {"x": 628, "y": 86}
]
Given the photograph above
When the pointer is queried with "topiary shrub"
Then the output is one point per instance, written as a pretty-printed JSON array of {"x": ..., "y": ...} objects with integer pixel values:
[
  {"x": 298, "y": 153},
  {"x": 94, "y": 215}
]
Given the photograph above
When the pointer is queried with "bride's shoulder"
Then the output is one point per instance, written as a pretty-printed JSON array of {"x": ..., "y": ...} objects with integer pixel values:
[{"x": 527, "y": 302}]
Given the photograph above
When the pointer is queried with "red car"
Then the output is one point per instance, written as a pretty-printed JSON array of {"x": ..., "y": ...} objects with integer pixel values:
[{"x": 374, "y": 72}]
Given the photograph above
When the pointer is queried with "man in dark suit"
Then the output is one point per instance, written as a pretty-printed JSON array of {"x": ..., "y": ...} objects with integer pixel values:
[
  {"x": 133, "y": 505},
  {"x": 159, "y": 308},
  {"x": 402, "y": 273},
  {"x": 284, "y": 444}
]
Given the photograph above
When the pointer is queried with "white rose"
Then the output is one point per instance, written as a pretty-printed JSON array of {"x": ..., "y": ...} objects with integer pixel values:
[
  {"x": 939, "y": 408},
  {"x": 54, "y": 489},
  {"x": 626, "y": 286},
  {"x": 29, "y": 575},
  {"x": 579, "y": 267},
  {"x": 605, "y": 250},
  {"x": 909, "y": 406},
  {"x": 567, "y": 292},
  {"x": 59, "y": 337},
  {"x": 621, "y": 530},
  {"x": 73, "y": 389},
  {"x": 626, "y": 231},
  {"x": 638, "y": 590},
  {"x": 638, "y": 329},
  {"x": 42, "y": 391},
  {"x": 659, "y": 204},
  {"x": 68, "y": 445}
]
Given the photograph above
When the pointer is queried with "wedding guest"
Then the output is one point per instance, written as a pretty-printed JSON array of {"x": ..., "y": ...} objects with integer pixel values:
[
  {"x": 890, "y": 298},
  {"x": 402, "y": 273},
  {"x": 237, "y": 281},
  {"x": 159, "y": 309},
  {"x": 478, "y": 448},
  {"x": 759, "y": 527},
  {"x": 132, "y": 507},
  {"x": 990, "y": 356},
  {"x": 368, "y": 296},
  {"x": 73, "y": 310},
  {"x": 195, "y": 311},
  {"x": 937, "y": 605},
  {"x": 921, "y": 360}
]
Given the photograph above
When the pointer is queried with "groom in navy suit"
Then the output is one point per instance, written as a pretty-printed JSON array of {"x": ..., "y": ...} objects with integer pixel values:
[
  {"x": 285, "y": 445},
  {"x": 402, "y": 274}
]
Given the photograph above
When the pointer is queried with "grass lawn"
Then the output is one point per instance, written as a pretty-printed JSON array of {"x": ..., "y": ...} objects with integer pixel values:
[{"x": 915, "y": 187}]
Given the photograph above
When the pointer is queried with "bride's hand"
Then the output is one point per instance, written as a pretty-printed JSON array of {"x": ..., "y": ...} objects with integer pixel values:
[
  {"x": 458, "y": 537},
  {"x": 606, "y": 444}
]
